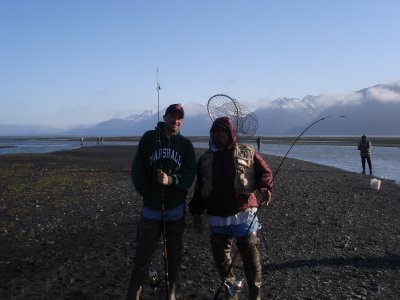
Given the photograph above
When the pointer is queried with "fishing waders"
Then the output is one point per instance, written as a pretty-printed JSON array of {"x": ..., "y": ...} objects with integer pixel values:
[
  {"x": 221, "y": 246},
  {"x": 248, "y": 248},
  {"x": 148, "y": 240}
]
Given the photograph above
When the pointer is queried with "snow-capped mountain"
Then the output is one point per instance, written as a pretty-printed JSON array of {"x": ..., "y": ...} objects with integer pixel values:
[
  {"x": 306, "y": 105},
  {"x": 140, "y": 117},
  {"x": 371, "y": 111},
  {"x": 282, "y": 114},
  {"x": 196, "y": 123}
]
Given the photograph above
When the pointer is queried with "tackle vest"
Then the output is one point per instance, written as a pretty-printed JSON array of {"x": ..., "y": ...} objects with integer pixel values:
[{"x": 243, "y": 157}]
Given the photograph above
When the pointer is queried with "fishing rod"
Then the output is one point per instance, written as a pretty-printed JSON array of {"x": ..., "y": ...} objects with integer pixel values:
[
  {"x": 217, "y": 293},
  {"x": 301, "y": 134},
  {"x": 158, "y": 88},
  {"x": 164, "y": 225}
]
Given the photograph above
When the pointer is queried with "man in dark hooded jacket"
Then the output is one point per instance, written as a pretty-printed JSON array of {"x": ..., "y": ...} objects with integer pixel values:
[
  {"x": 228, "y": 174},
  {"x": 163, "y": 169}
]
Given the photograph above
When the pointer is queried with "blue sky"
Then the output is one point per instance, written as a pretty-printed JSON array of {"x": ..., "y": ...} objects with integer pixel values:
[{"x": 68, "y": 62}]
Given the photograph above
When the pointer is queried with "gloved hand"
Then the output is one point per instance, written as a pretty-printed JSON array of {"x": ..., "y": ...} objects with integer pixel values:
[
  {"x": 198, "y": 222},
  {"x": 266, "y": 196}
]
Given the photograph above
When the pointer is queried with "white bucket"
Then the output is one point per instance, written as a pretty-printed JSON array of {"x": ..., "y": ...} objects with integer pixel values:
[{"x": 375, "y": 184}]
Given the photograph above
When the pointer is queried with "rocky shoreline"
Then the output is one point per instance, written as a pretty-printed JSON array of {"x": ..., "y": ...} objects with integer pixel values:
[{"x": 68, "y": 226}]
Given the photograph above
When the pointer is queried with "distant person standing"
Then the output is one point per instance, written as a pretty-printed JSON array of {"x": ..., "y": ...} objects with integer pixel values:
[
  {"x": 365, "y": 151},
  {"x": 258, "y": 144},
  {"x": 81, "y": 139}
]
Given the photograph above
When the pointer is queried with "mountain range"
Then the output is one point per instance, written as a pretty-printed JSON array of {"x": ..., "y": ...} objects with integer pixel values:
[{"x": 371, "y": 111}]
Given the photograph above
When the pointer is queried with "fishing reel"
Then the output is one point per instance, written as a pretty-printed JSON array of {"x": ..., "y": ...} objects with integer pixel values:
[
  {"x": 232, "y": 290},
  {"x": 153, "y": 279}
]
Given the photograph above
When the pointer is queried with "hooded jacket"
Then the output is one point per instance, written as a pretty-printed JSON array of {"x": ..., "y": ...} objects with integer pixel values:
[
  {"x": 219, "y": 170},
  {"x": 175, "y": 156},
  {"x": 364, "y": 146}
]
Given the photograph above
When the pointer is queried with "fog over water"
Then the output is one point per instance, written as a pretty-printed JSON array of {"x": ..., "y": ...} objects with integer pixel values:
[{"x": 385, "y": 160}]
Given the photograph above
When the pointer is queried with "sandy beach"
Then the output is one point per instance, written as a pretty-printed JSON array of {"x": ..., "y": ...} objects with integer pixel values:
[{"x": 68, "y": 226}]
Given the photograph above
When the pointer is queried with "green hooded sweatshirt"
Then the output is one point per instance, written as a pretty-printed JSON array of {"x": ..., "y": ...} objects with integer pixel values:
[{"x": 175, "y": 156}]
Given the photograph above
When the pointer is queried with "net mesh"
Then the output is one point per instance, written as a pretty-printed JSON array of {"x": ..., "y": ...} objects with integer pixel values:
[{"x": 244, "y": 121}]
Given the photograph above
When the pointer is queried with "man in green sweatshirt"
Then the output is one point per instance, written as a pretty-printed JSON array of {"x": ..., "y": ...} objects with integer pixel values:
[{"x": 163, "y": 169}]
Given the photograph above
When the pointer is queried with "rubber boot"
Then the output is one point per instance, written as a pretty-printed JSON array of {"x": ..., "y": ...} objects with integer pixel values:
[
  {"x": 174, "y": 238},
  {"x": 148, "y": 238},
  {"x": 221, "y": 246},
  {"x": 174, "y": 232},
  {"x": 171, "y": 294},
  {"x": 134, "y": 293},
  {"x": 248, "y": 248}
]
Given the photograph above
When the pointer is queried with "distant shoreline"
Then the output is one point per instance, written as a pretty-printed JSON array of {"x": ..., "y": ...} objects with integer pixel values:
[
  {"x": 320, "y": 140},
  {"x": 336, "y": 140}
]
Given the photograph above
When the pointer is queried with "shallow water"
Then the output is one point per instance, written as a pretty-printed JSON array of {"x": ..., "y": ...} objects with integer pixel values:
[
  {"x": 385, "y": 160},
  {"x": 50, "y": 145}
]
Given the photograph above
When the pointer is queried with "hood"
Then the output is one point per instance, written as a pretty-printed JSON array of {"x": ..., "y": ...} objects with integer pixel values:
[{"x": 224, "y": 122}]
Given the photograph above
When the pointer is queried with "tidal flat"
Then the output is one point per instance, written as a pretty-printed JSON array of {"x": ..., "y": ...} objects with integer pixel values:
[{"x": 68, "y": 225}]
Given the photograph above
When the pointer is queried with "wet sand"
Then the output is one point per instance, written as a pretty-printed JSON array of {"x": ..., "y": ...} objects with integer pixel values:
[{"x": 68, "y": 226}]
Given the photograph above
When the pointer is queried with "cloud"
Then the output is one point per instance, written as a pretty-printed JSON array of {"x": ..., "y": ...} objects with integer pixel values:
[
  {"x": 194, "y": 109},
  {"x": 385, "y": 94},
  {"x": 264, "y": 104},
  {"x": 349, "y": 98}
]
